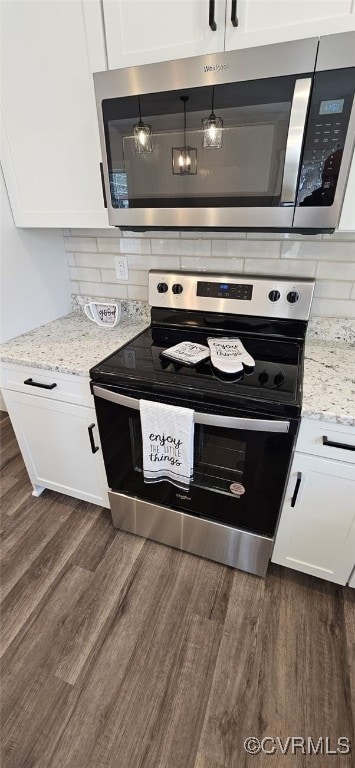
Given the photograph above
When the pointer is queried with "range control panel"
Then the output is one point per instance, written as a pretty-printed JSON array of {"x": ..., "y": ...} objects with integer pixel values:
[{"x": 285, "y": 298}]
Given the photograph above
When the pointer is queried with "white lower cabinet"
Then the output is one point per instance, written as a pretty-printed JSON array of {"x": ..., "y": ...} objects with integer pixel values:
[
  {"x": 316, "y": 532},
  {"x": 54, "y": 438}
]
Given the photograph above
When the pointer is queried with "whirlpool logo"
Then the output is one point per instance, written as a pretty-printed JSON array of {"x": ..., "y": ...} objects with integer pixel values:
[
  {"x": 215, "y": 68},
  {"x": 183, "y": 497}
]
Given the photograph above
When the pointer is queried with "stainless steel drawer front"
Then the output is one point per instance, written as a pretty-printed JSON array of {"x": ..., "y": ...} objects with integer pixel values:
[{"x": 215, "y": 541}]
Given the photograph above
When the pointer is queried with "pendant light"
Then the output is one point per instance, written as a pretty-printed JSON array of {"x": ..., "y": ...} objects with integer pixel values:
[
  {"x": 212, "y": 129},
  {"x": 184, "y": 158},
  {"x": 142, "y": 134}
]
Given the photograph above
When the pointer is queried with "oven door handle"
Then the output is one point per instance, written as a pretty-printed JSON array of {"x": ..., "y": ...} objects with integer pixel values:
[
  {"x": 296, "y": 127},
  {"x": 207, "y": 419}
]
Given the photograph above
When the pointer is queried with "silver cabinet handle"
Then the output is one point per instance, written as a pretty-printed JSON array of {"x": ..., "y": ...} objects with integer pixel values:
[
  {"x": 207, "y": 419},
  {"x": 295, "y": 139}
]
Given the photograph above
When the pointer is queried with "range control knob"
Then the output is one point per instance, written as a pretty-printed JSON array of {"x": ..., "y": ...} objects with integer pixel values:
[
  {"x": 279, "y": 379},
  {"x": 263, "y": 378},
  {"x": 274, "y": 295},
  {"x": 162, "y": 287},
  {"x": 292, "y": 297},
  {"x": 177, "y": 288}
]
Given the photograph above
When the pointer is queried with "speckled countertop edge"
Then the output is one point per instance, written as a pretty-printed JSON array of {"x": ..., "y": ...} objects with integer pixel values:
[{"x": 73, "y": 344}]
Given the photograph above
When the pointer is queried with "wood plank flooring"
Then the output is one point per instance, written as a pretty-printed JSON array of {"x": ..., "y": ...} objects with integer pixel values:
[{"x": 117, "y": 652}]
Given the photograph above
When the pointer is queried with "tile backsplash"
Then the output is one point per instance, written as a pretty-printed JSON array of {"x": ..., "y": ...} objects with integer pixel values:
[{"x": 328, "y": 258}]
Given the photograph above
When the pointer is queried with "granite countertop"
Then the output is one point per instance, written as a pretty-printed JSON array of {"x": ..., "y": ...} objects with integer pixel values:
[
  {"x": 329, "y": 381},
  {"x": 73, "y": 344}
]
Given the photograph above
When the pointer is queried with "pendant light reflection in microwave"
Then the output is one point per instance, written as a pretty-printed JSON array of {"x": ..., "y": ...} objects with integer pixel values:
[
  {"x": 212, "y": 127},
  {"x": 184, "y": 158},
  {"x": 142, "y": 134}
]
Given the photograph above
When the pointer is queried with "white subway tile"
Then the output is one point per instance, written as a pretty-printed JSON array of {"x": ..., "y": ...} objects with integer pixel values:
[
  {"x": 84, "y": 273},
  {"x": 212, "y": 265},
  {"x": 329, "y": 270},
  {"x": 109, "y": 276},
  {"x": 210, "y": 234},
  {"x": 66, "y": 231},
  {"x": 133, "y": 245},
  {"x": 181, "y": 247},
  {"x": 80, "y": 244},
  {"x": 108, "y": 244},
  {"x": 74, "y": 287},
  {"x": 153, "y": 262},
  {"x": 340, "y": 236},
  {"x": 138, "y": 292},
  {"x": 70, "y": 259},
  {"x": 279, "y": 267},
  {"x": 137, "y": 278},
  {"x": 353, "y": 292},
  {"x": 117, "y": 291},
  {"x": 332, "y": 289},
  {"x": 109, "y": 232},
  {"x": 104, "y": 260},
  {"x": 333, "y": 307},
  {"x": 246, "y": 248},
  {"x": 319, "y": 250}
]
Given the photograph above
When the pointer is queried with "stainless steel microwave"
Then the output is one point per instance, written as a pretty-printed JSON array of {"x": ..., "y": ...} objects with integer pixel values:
[{"x": 260, "y": 138}]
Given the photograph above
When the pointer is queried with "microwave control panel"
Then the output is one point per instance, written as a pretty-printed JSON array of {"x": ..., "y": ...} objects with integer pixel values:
[
  {"x": 252, "y": 295},
  {"x": 325, "y": 139}
]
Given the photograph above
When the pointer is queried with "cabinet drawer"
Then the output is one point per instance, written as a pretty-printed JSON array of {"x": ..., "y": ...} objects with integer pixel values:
[
  {"x": 71, "y": 389},
  {"x": 322, "y": 438}
]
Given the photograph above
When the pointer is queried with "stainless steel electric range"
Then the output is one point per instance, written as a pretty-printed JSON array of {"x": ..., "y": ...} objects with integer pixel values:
[{"x": 245, "y": 424}]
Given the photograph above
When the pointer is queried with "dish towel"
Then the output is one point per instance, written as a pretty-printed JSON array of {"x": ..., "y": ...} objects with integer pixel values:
[
  {"x": 168, "y": 443},
  {"x": 229, "y": 355}
]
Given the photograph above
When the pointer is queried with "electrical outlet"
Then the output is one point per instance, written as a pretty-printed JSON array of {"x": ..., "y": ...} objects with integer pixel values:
[{"x": 121, "y": 267}]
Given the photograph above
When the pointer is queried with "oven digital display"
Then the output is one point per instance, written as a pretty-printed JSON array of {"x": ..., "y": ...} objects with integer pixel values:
[
  {"x": 331, "y": 107},
  {"x": 225, "y": 290}
]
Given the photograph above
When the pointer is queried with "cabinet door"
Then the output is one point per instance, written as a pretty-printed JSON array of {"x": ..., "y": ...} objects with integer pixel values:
[
  {"x": 50, "y": 139},
  {"x": 145, "y": 31},
  {"x": 317, "y": 534},
  {"x": 347, "y": 218},
  {"x": 55, "y": 445},
  {"x": 261, "y": 22}
]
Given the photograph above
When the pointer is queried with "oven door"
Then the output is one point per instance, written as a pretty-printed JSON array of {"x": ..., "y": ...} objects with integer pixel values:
[
  {"x": 212, "y": 141},
  {"x": 240, "y": 464}
]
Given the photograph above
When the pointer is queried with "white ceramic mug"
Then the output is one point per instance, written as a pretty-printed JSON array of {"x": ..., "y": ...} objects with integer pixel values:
[{"x": 103, "y": 314}]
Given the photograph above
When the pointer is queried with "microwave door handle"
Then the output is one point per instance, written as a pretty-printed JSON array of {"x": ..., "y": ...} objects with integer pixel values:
[
  {"x": 207, "y": 419},
  {"x": 294, "y": 142}
]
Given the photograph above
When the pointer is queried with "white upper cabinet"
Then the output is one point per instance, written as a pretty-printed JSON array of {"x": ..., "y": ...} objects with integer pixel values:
[
  {"x": 146, "y": 31},
  {"x": 347, "y": 219},
  {"x": 261, "y": 22},
  {"x": 50, "y": 144}
]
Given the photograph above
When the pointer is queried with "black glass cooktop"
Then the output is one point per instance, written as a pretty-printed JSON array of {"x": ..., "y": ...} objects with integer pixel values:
[{"x": 276, "y": 377}]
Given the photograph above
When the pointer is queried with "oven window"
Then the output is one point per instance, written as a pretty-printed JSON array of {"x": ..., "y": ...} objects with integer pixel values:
[
  {"x": 228, "y": 149},
  {"x": 219, "y": 460},
  {"x": 219, "y": 457}
]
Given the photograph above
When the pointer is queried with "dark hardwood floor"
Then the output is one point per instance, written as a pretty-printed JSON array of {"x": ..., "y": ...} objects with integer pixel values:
[{"x": 121, "y": 653}]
